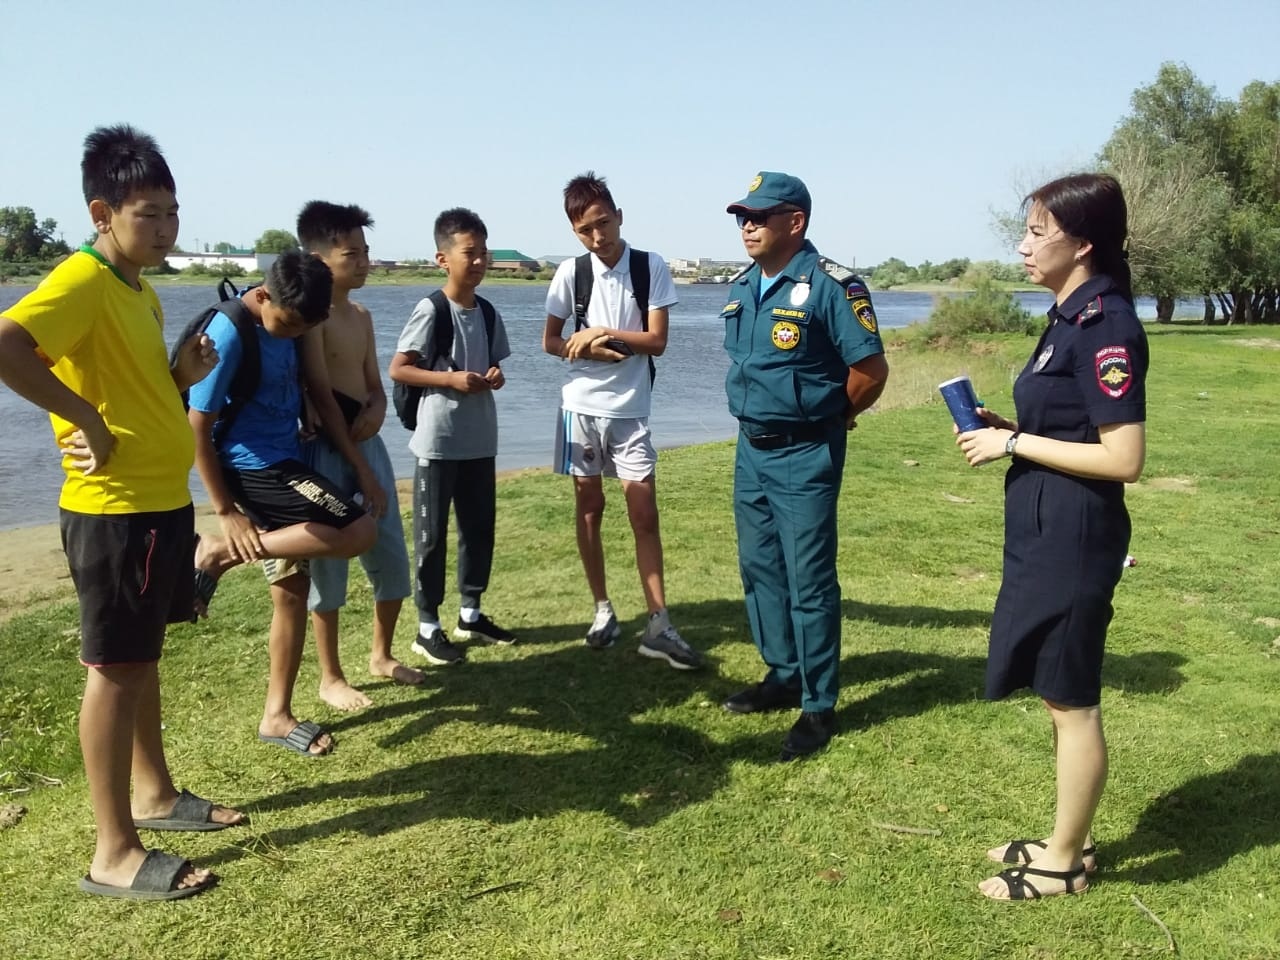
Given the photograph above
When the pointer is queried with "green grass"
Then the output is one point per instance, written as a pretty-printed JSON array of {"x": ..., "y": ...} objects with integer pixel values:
[{"x": 548, "y": 801}]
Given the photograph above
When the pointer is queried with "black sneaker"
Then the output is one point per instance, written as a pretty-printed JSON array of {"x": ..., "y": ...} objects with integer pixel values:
[
  {"x": 764, "y": 697},
  {"x": 438, "y": 650},
  {"x": 482, "y": 628}
]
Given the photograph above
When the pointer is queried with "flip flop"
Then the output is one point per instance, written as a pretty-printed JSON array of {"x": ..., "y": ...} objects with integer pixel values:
[
  {"x": 205, "y": 584},
  {"x": 300, "y": 739},
  {"x": 156, "y": 879},
  {"x": 189, "y": 814}
]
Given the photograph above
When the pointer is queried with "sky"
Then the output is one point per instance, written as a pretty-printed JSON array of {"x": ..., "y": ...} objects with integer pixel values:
[{"x": 910, "y": 122}]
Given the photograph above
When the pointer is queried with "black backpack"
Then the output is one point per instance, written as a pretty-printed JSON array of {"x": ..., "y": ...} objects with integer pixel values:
[
  {"x": 245, "y": 381},
  {"x": 405, "y": 397},
  {"x": 584, "y": 281}
]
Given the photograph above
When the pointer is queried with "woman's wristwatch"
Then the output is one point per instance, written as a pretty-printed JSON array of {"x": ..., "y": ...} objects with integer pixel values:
[{"x": 1011, "y": 445}]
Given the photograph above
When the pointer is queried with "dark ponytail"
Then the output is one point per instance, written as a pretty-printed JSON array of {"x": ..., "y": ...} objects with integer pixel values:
[{"x": 1090, "y": 206}]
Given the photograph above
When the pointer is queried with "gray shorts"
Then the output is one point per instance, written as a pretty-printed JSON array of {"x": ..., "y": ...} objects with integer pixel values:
[
  {"x": 387, "y": 563},
  {"x": 588, "y": 446}
]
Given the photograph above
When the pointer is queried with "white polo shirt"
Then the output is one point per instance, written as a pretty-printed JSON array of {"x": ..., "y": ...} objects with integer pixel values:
[{"x": 602, "y": 388}]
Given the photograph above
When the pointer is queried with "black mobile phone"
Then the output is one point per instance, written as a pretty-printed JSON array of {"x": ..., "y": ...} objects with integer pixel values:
[{"x": 619, "y": 346}]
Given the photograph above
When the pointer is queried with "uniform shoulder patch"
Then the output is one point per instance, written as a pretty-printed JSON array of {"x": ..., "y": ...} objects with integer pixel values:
[
  {"x": 1114, "y": 371},
  {"x": 1092, "y": 309}
]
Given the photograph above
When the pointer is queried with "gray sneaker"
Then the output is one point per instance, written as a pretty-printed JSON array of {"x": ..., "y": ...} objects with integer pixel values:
[
  {"x": 604, "y": 630},
  {"x": 660, "y": 641}
]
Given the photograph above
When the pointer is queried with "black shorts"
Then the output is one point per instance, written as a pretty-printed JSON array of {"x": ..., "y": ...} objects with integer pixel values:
[
  {"x": 132, "y": 573},
  {"x": 289, "y": 492}
]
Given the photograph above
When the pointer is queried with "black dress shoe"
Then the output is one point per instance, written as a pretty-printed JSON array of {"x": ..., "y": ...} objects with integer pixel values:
[
  {"x": 763, "y": 697},
  {"x": 811, "y": 733}
]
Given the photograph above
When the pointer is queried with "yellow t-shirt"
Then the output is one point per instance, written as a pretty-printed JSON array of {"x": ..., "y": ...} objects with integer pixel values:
[{"x": 105, "y": 341}]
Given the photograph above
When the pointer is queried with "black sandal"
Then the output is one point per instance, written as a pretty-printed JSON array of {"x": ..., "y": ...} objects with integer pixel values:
[
  {"x": 1019, "y": 852},
  {"x": 1020, "y": 888}
]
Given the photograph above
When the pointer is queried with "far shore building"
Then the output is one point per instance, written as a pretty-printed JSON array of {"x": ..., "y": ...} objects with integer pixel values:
[
  {"x": 247, "y": 260},
  {"x": 512, "y": 261}
]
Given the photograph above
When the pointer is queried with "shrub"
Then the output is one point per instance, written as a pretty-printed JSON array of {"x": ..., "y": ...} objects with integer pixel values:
[{"x": 985, "y": 309}]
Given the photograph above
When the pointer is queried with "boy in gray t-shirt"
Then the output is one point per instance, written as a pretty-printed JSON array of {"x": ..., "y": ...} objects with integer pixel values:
[{"x": 456, "y": 439}]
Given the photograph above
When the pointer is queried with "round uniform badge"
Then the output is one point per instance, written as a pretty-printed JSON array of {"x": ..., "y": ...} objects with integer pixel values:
[
  {"x": 786, "y": 335},
  {"x": 799, "y": 294},
  {"x": 1042, "y": 361},
  {"x": 755, "y": 184}
]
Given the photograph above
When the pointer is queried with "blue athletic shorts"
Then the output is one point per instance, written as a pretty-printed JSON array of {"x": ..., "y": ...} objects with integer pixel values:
[{"x": 387, "y": 563}]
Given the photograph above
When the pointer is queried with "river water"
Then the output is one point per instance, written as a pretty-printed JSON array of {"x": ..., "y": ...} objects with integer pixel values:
[{"x": 688, "y": 402}]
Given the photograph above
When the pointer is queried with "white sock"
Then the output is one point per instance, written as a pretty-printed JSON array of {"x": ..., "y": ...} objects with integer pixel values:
[
  {"x": 427, "y": 627},
  {"x": 604, "y": 606},
  {"x": 469, "y": 614}
]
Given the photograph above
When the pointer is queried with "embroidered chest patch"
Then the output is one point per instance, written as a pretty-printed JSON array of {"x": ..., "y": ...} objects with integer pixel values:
[
  {"x": 1114, "y": 370},
  {"x": 786, "y": 335}
]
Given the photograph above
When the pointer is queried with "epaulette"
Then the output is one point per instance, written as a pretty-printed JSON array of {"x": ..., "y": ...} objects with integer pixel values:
[
  {"x": 842, "y": 275},
  {"x": 1092, "y": 309},
  {"x": 855, "y": 291}
]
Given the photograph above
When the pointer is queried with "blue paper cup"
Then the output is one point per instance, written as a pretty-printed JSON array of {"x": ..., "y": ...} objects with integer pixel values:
[{"x": 962, "y": 402}]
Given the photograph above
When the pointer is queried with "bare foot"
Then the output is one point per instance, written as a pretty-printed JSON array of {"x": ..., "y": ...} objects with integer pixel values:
[
  {"x": 1032, "y": 883},
  {"x": 120, "y": 872},
  {"x": 342, "y": 696},
  {"x": 1023, "y": 852},
  {"x": 392, "y": 668}
]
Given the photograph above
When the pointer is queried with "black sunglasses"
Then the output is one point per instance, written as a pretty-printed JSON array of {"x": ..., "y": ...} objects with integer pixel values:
[{"x": 759, "y": 218}]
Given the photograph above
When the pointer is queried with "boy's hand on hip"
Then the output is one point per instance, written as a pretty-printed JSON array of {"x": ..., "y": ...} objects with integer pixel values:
[{"x": 90, "y": 449}]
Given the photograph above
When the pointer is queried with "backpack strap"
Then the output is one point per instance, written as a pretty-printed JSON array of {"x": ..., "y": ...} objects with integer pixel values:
[
  {"x": 248, "y": 375},
  {"x": 584, "y": 279},
  {"x": 490, "y": 321},
  {"x": 640, "y": 280},
  {"x": 442, "y": 342}
]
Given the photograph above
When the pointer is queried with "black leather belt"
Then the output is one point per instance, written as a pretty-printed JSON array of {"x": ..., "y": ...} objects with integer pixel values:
[{"x": 794, "y": 433}]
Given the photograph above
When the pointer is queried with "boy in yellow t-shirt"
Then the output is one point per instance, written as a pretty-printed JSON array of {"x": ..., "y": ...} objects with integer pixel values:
[{"x": 87, "y": 345}]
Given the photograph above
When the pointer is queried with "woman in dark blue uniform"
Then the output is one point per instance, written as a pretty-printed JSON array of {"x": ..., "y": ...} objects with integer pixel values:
[{"x": 1079, "y": 437}]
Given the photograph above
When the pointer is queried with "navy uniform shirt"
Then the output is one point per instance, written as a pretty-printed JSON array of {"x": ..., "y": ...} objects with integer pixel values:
[
  {"x": 1089, "y": 369},
  {"x": 789, "y": 355}
]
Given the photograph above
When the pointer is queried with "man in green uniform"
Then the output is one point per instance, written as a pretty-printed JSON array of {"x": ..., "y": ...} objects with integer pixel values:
[{"x": 805, "y": 358}]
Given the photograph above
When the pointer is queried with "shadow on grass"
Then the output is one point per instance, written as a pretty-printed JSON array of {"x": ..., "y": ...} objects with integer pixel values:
[
  {"x": 1199, "y": 826},
  {"x": 613, "y": 747}
]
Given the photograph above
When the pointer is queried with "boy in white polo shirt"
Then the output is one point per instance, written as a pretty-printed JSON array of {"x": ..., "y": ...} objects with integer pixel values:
[{"x": 604, "y": 418}]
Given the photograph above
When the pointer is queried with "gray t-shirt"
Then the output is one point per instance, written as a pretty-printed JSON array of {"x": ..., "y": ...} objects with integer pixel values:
[{"x": 454, "y": 425}]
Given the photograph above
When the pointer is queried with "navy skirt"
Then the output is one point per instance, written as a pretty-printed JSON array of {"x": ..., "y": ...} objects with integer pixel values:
[{"x": 1065, "y": 541}]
